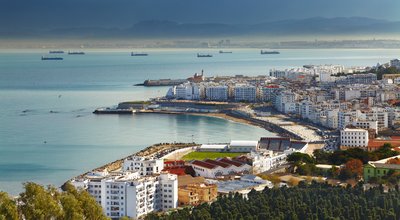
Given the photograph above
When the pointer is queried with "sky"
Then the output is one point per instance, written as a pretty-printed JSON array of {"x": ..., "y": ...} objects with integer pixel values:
[{"x": 48, "y": 14}]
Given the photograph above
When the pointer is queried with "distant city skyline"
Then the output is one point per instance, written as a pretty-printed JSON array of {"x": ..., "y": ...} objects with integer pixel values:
[{"x": 18, "y": 15}]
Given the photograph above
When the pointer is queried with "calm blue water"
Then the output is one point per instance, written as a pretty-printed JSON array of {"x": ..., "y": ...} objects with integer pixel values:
[{"x": 50, "y": 148}]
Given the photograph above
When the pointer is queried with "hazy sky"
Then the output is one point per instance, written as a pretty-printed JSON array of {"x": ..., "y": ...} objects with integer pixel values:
[{"x": 15, "y": 14}]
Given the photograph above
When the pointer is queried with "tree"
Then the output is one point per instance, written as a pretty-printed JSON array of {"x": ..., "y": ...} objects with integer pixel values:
[
  {"x": 355, "y": 167},
  {"x": 8, "y": 207},
  {"x": 298, "y": 158},
  {"x": 90, "y": 207},
  {"x": 38, "y": 203},
  {"x": 71, "y": 206},
  {"x": 393, "y": 161}
]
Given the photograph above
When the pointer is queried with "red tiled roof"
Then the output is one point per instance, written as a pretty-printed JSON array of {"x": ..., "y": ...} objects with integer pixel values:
[
  {"x": 235, "y": 163},
  {"x": 204, "y": 164},
  {"x": 218, "y": 163},
  {"x": 174, "y": 162},
  {"x": 178, "y": 171}
]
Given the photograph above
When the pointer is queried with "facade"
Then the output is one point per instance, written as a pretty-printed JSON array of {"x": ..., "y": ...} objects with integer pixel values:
[
  {"x": 129, "y": 194},
  {"x": 243, "y": 146},
  {"x": 217, "y": 93},
  {"x": 269, "y": 92},
  {"x": 285, "y": 102},
  {"x": 367, "y": 125},
  {"x": 379, "y": 168},
  {"x": 245, "y": 93},
  {"x": 197, "y": 193},
  {"x": 187, "y": 91},
  {"x": 264, "y": 161},
  {"x": 213, "y": 148},
  {"x": 354, "y": 138},
  {"x": 218, "y": 168},
  {"x": 367, "y": 79},
  {"x": 145, "y": 166}
]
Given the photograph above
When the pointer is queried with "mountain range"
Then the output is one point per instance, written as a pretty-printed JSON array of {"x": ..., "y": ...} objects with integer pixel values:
[{"x": 170, "y": 29}]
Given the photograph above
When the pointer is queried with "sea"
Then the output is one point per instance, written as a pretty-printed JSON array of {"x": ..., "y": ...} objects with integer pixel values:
[{"x": 48, "y": 133}]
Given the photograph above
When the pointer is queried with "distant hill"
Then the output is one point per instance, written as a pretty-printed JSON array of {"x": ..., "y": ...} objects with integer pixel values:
[{"x": 167, "y": 29}]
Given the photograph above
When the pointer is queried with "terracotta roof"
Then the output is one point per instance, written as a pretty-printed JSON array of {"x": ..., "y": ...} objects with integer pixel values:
[
  {"x": 218, "y": 163},
  {"x": 235, "y": 163},
  {"x": 204, "y": 164}
]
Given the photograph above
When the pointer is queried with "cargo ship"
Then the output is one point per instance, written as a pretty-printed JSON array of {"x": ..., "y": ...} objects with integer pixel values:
[
  {"x": 56, "y": 51},
  {"x": 52, "y": 58},
  {"x": 204, "y": 55},
  {"x": 76, "y": 53},
  {"x": 113, "y": 111},
  {"x": 269, "y": 52},
  {"x": 221, "y": 51},
  {"x": 139, "y": 54}
]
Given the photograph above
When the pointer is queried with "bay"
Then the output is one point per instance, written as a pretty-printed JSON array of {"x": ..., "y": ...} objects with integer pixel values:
[{"x": 48, "y": 133}]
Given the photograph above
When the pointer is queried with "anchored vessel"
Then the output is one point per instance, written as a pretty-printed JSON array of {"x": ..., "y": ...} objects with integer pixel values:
[
  {"x": 221, "y": 51},
  {"x": 204, "y": 55},
  {"x": 139, "y": 54},
  {"x": 76, "y": 53},
  {"x": 56, "y": 51},
  {"x": 52, "y": 58},
  {"x": 269, "y": 52},
  {"x": 113, "y": 111}
]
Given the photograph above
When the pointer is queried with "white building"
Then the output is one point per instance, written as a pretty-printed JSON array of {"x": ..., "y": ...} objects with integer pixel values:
[
  {"x": 285, "y": 102},
  {"x": 213, "y": 148},
  {"x": 186, "y": 91},
  {"x": 264, "y": 161},
  {"x": 245, "y": 93},
  {"x": 243, "y": 146},
  {"x": 354, "y": 138},
  {"x": 217, "y": 93},
  {"x": 129, "y": 194},
  {"x": 216, "y": 168},
  {"x": 145, "y": 166},
  {"x": 366, "y": 125},
  {"x": 269, "y": 92}
]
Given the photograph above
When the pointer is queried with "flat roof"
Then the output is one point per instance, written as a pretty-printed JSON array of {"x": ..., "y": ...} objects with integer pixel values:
[
  {"x": 354, "y": 129},
  {"x": 235, "y": 185},
  {"x": 244, "y": 143},
  {"x": 213, "y": 146}
]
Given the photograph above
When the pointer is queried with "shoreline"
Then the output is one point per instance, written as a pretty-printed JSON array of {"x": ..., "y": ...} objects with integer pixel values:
[
  {"x": 170, "y": 147},
  {"x": 231, "y": 115}
]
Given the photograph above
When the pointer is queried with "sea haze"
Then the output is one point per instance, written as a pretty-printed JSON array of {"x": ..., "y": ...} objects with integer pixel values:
[{"x": 48, "y": 133}]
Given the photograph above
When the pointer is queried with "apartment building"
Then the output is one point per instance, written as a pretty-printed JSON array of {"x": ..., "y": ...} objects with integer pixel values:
[
  {"x": 217, "y": 93},
  {"x": 145, "y": 166},
  {"x": 130, "y": 194},
  {"x": 245, "y": 93},
  {"x": 197, "y": 193},
  {"x": 350, "y": 137}
]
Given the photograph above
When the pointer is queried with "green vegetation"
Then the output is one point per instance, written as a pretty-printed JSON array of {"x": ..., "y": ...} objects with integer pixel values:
[
  {"x": 209, "y": 155},
  {"x": 306, "y": 201},
  {"x": 37, "y": 202},
  {"x": 352, "y": 159},
  {"x": 342, "y": 156}
]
